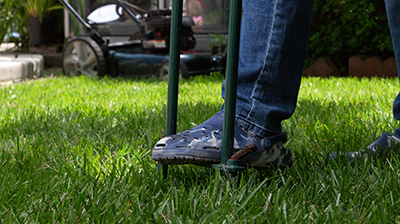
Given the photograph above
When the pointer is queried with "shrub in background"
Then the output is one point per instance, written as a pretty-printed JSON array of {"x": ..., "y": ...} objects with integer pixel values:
[
  {"x": 341, "y": 29},
  {"x": 13, "y": 19}
]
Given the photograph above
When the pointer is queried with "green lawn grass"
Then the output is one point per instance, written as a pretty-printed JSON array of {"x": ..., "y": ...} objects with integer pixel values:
[{"x": 77, "y": 150}]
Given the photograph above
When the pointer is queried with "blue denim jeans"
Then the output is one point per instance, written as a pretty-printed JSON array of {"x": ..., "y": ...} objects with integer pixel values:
[
  {"x": 273, "y": 42},
  {"x": 392, "y": 10}
]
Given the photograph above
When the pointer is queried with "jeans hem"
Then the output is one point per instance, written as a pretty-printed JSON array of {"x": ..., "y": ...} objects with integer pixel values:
[{"x": 254, "y": 128}]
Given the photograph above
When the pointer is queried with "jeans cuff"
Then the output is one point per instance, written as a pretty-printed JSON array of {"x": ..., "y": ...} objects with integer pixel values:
[{"x": 254, "y": 128}]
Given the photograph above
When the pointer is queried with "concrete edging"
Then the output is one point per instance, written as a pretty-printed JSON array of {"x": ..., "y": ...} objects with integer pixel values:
[{"x": 19, "y": 66}]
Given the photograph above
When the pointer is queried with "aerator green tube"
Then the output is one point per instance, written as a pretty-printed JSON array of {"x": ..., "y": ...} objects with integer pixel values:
[
  {"x": 173, "y": 77},
  {"x": 231, "y": 80}
]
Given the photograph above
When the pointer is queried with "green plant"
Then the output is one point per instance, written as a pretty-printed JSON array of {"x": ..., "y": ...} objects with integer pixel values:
[
  {"x": 341, "y": 29},
  {"x": 217, "y": 40},
  {"x": 13, "y": 19},
  {"x": 40, "y": 8}
]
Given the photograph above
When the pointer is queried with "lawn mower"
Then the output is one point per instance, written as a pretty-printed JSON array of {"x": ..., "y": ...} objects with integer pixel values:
[{"x": 145, "y": 54}]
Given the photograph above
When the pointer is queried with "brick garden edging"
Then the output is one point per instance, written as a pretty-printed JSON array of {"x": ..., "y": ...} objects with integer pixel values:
[
  {"x": 323, "y": 67},
  {"x": 359, "y": 66}
]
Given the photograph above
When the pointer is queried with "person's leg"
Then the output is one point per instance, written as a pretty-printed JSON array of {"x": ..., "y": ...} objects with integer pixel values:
[
  {"x": 272, "y": 54},
  {"x": 273, "y": 42},
  {"x": 386, "y": 140},
  {"x": 393, "y": 9}
]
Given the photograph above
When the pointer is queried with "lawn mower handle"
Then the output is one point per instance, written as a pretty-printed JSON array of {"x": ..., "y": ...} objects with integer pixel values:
[
  {"x": 93, "y": 33},
  {"x": 123, "y": 6}
]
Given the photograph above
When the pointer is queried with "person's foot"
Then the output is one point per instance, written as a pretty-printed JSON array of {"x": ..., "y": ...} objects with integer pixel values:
[
  {"x": 201, "y": 145},
  {"x": 380, "y": 146}
]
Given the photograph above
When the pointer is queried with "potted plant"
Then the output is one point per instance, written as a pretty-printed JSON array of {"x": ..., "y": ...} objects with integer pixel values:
[
  {"x": 13, "y": 23},
  {"x": 40, "y": 21},
  {"x": 218, "y": 43}
]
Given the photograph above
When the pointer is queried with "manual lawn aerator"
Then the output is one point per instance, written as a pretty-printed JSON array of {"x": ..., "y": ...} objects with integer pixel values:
[{"x": 145, "y": 54}]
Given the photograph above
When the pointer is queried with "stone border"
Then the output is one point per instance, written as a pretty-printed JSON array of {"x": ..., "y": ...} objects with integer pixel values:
[
  {"x": 358, "y": 66},
  {"x": 20, "y": 66}
]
